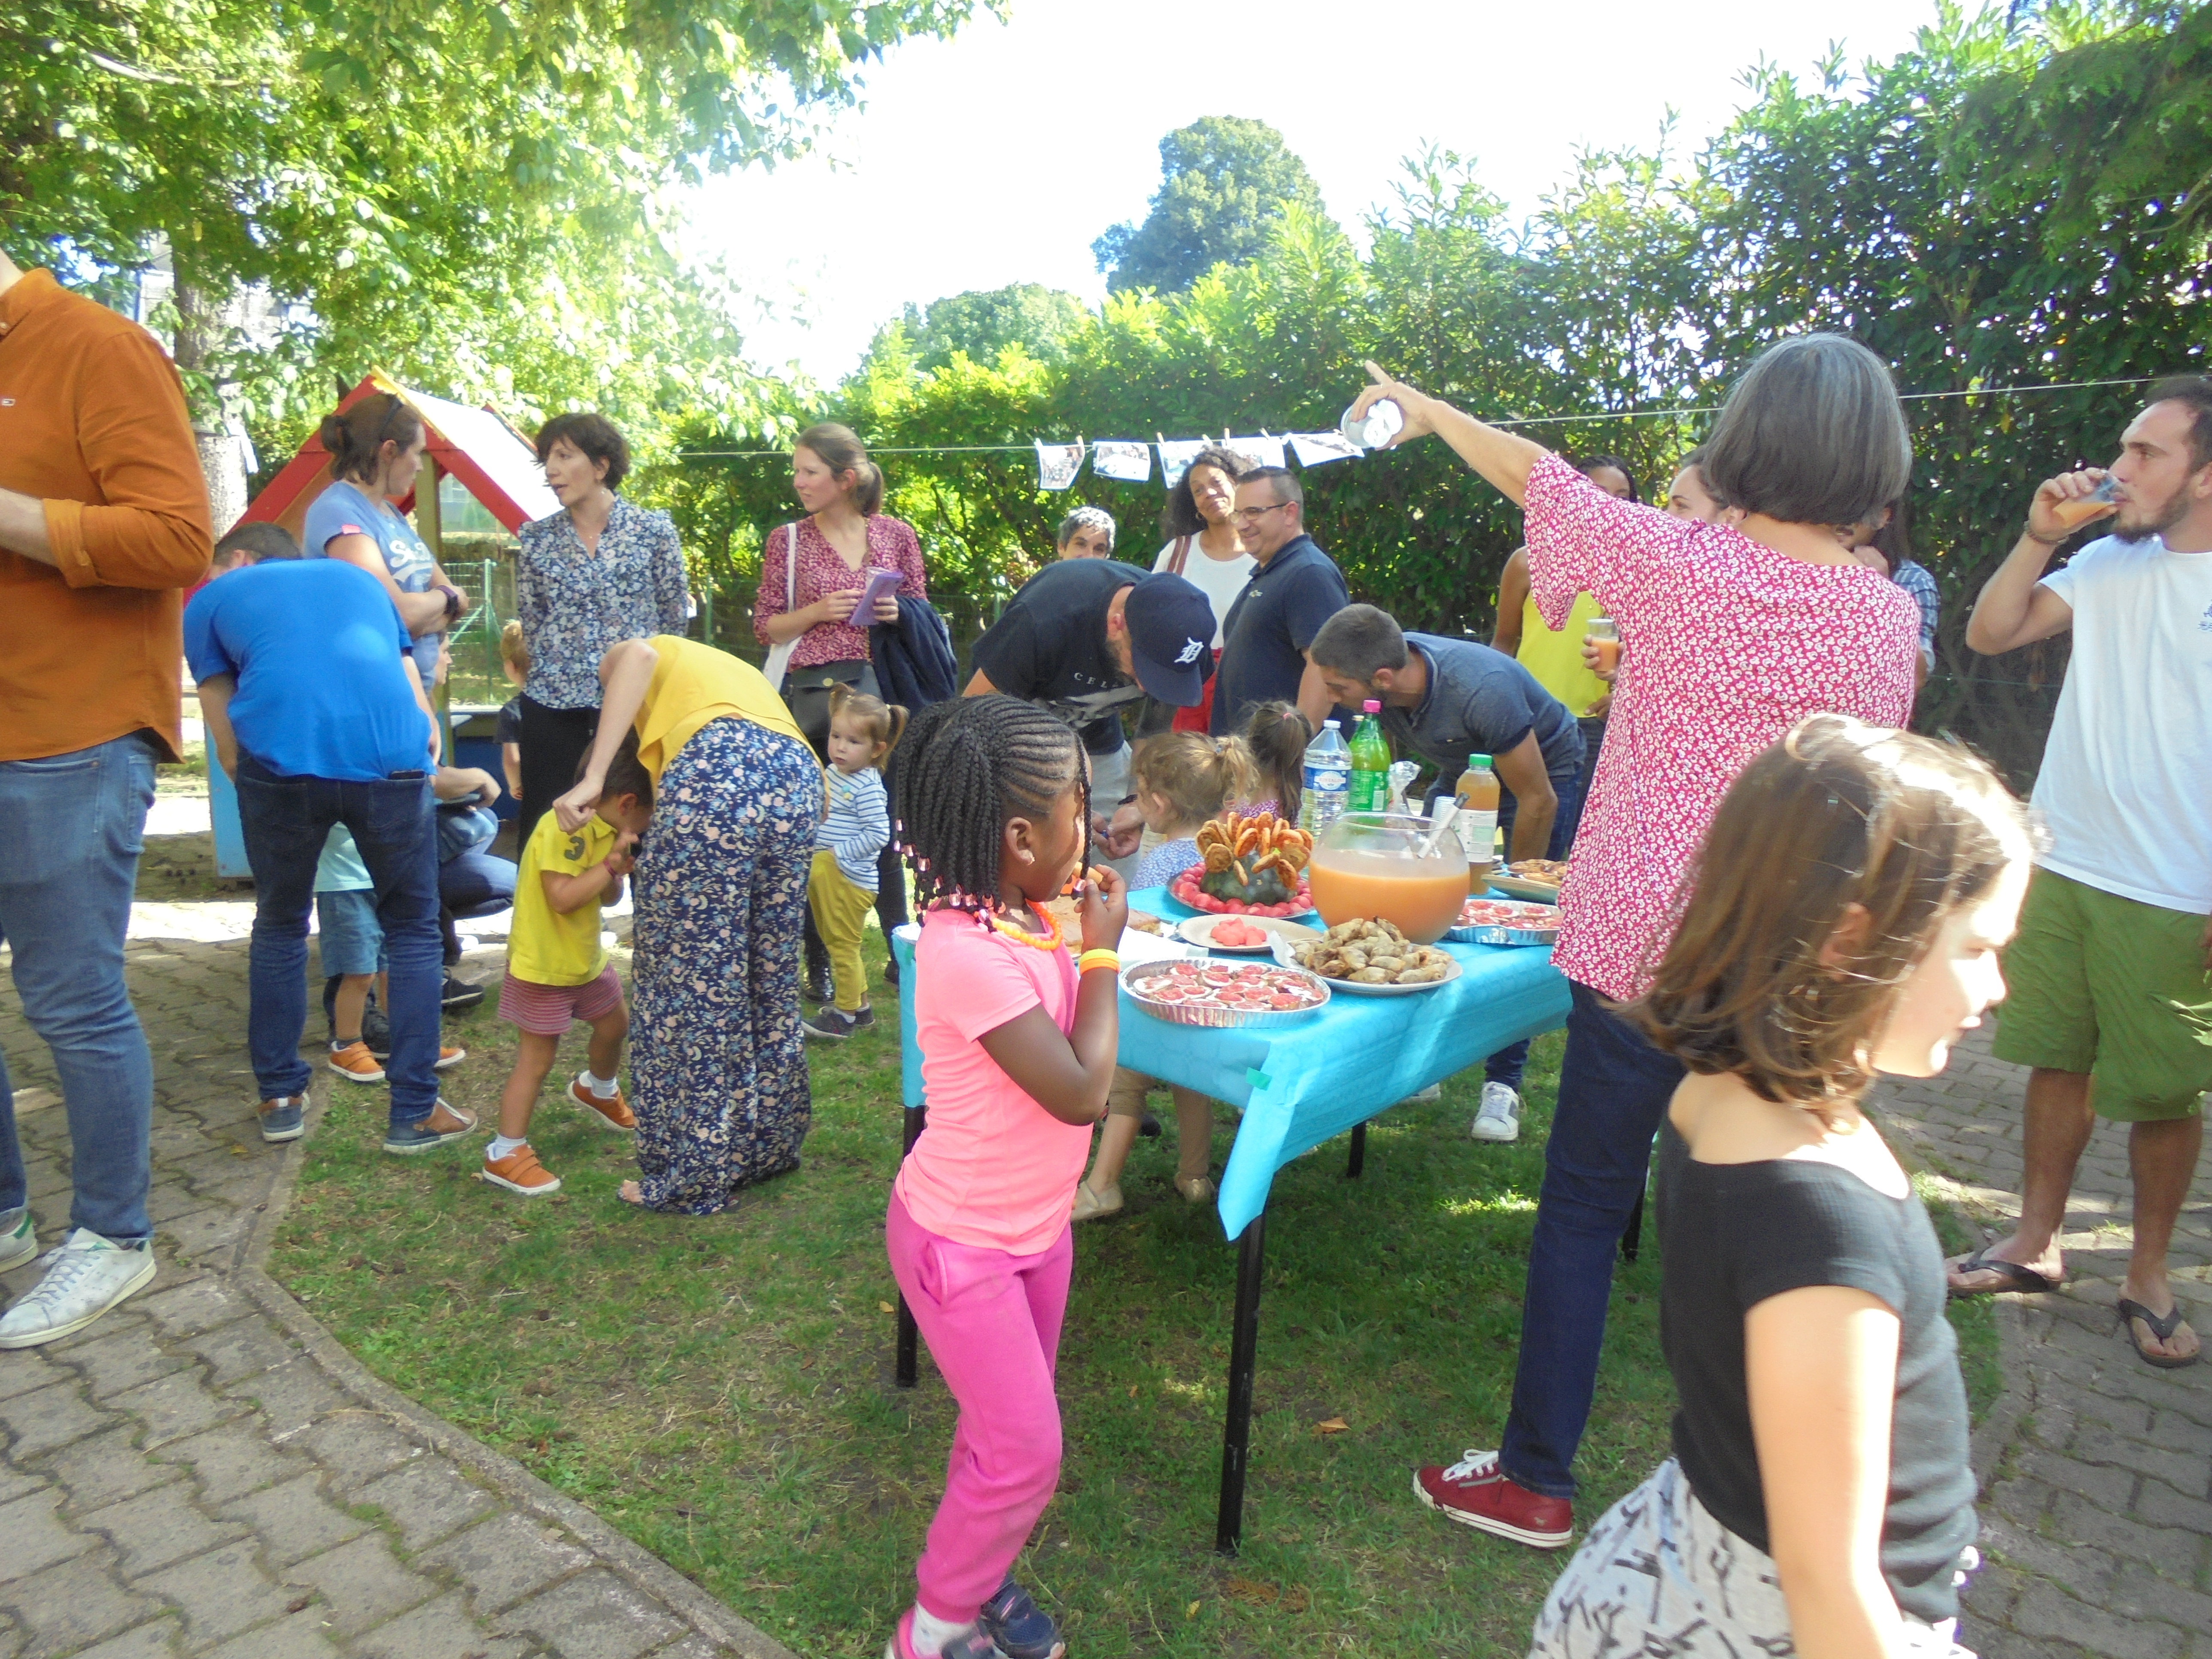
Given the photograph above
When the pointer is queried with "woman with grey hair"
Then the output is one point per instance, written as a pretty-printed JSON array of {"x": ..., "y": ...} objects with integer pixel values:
[
  {"x": 1086, "y": 534},
  {"x": 1731, "y": 633}
]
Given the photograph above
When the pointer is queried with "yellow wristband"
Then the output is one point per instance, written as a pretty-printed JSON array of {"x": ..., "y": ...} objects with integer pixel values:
[{"x": 1098, "y": 958}]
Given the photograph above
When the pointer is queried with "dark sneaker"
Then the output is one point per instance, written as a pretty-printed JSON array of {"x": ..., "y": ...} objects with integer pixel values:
[
  {"x": 282, "y": 1119},
  {"x": 1149, "y": 1127},
  {"x": 459, "y": 996},
  {"x": 1020, "y": 1628},
  {"x": 890, "y": 973},
  {"x": 835, "y": 1025},
  {"x": 816, "y": 987},
  {"x": 1475, "y": 1492},
  {"x": 443, "y": 1124},
  {"x": 376, "y": 1032}
]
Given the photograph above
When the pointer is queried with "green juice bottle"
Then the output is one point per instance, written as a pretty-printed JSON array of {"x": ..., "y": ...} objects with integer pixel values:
[{"x": 1370, "y": 761}]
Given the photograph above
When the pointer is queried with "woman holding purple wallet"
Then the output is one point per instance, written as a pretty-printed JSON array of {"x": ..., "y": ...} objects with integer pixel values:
[{"x": 814, "y": 573}]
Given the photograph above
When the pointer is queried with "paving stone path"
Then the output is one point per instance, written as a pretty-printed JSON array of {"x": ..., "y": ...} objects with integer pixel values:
[
  {"x": 204, "y": 1472},
  {"x": 2096, "y": 1469}
]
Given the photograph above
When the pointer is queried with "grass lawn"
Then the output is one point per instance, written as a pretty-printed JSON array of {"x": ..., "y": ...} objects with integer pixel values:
[{"x": 720, "y": 1389}]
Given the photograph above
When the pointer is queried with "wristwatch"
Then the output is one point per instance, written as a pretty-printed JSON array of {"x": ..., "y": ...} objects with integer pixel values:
[{"x": 452, "y": 600}]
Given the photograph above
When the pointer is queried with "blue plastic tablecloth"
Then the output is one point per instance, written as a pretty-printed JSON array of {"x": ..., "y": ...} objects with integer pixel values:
[{"x": 1301, "y": 1084}]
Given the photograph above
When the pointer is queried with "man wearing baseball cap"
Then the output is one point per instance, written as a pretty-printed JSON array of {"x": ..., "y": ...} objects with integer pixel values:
[{"x": 1082, "y": 638}]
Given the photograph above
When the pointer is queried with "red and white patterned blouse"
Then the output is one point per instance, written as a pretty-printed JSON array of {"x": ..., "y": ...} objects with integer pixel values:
[
  {"x": 1725, "y": 645},
  {"x": 892, "y": 546}
]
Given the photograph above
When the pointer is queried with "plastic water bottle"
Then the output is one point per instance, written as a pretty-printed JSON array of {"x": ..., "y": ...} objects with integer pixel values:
[
  {"x": 1327, "y": 780},
  {"x": 1370, "y": 761}
]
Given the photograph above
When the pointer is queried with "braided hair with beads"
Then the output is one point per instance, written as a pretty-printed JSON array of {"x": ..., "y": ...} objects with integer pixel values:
[{"x": 967, "y": 767}]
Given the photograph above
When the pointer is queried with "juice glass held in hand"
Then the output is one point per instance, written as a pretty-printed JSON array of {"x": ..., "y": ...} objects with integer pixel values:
[
  {"x": 1371, "y": 865},
  {"x": 2075, "y": 512},
  {"x": 1604, "y": 638}
]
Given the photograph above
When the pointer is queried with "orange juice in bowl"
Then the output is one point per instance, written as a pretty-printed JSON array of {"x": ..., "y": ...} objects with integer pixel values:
[{"x": 1382, "y": 866}]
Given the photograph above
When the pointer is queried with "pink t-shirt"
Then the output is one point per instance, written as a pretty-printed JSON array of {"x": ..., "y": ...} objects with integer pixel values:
[
  {"x": 994, "y": 1169},
  {"x": 1725, "y": 645}
]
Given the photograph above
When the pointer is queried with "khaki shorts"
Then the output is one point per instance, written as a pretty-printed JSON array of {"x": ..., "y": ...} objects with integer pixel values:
[{"x": 2104, "y": 985}]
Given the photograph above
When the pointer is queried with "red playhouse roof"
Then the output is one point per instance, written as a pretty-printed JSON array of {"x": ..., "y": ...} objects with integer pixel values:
[{"x": 490, "y": 459}]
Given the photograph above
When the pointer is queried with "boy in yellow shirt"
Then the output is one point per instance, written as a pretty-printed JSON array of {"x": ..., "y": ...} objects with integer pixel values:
[{"x": 557, "y": 970}]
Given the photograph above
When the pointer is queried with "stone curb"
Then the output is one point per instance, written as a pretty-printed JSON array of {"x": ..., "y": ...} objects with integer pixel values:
[{"x": 502, "y": 1474}]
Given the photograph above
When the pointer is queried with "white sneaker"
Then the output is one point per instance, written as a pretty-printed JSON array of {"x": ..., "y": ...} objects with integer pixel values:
[
  {"x": 1434, "y": 1092},
  {"x": 86, "y": 1277},
  {"x": 1499, "y": 1118},
  {"x": 19, "y": 1239}
]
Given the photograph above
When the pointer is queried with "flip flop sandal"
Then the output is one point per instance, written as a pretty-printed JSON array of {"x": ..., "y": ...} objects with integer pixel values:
[
  {"x": 2160, "y": 1328},
  {"x": 2024, "y": 1280}
]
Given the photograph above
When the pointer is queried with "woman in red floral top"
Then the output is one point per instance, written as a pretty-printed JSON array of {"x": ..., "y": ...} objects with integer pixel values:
[
  {"x": 843, "y": 535},
  {"x": 1731, "y": 633}
]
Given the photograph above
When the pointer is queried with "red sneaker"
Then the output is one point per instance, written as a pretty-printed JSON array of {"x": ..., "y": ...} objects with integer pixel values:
[{"x": 1475, "y": 1492}]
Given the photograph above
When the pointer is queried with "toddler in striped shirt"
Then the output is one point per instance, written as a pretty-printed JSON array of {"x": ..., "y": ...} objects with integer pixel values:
[{"x": 855, "y": 827}]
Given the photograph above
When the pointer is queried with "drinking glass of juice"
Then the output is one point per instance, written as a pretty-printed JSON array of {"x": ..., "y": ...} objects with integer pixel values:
[
  {"x": 1370, "y": 865},
  {"x": 1605, "y": 635}
]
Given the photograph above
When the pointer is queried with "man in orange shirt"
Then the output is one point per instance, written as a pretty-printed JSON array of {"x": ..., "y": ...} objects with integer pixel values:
[{"x": 103, "y": 520}]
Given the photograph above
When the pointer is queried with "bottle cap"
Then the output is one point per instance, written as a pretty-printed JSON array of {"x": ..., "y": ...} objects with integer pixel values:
[
  {"x": 1370, "y": 707},
  {"x": 1483, "y": 761},
  {"x": 1333, "y": 725}
]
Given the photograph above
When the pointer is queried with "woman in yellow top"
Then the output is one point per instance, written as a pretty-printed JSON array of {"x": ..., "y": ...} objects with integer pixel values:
[
  {"x": 718, "y": 1072},
  {"x": 1555, "y": 656}
]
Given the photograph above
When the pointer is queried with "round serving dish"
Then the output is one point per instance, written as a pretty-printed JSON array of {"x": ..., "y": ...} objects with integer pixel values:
[
  {"x": 1211, "y": 1016},
  {"x": 1184, "y": 890},
  {"x": 1199, "y": 931},
  {"x": 1353, "y": 989}
]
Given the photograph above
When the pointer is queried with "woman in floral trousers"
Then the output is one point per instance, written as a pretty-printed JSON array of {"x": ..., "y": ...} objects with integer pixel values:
[{"x": 717, "y": 1074}]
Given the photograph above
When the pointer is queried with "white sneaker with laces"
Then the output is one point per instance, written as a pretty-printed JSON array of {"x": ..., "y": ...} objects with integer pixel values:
[
  {"x": 19, "y": 1239},
  {"x": 1499, "y": 1117},
  {"x": 86, "y": 1277}
]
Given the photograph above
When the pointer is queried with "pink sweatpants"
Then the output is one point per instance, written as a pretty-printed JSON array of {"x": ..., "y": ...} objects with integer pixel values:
[{"x": 991, "y": 1322}]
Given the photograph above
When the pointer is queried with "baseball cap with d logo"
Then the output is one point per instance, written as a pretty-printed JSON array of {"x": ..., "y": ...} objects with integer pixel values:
[{"x": 1171, "y": 626}]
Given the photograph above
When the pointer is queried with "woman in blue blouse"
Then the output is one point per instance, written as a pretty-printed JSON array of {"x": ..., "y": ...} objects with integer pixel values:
[{"x": 591, "y": 575}]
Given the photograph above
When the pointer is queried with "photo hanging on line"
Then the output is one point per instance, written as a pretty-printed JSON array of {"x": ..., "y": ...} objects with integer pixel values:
[
  {"x": 1057, "y": 465},
  {"x": 1131, "y": 463}
]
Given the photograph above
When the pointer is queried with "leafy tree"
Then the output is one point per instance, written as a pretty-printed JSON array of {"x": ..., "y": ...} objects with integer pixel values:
[
  {"x": 1223, "y": 180},
  {"x": 463, "y": 188},
  {"x": 1922, "y": 205},
  {"x": 1039, "y": 320}
]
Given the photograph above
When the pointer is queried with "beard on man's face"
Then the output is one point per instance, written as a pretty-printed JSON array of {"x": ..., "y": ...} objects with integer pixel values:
[{"x": 2139, "y": 522}]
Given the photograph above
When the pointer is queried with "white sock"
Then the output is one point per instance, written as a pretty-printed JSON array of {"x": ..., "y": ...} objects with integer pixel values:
[
  {"x": 501, "y": 1147},
  {"x": 931, "y": 1633},
  {"x": 604, "y": 1087}
]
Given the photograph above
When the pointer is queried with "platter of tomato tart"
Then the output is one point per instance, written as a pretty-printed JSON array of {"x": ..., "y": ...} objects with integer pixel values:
[
  {"x": 1505, "y": 921},
  {"x": 1223, "y": 994}
]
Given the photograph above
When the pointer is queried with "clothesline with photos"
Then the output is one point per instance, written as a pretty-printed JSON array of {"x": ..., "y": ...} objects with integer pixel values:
[{"x": 1129, "y": 460}]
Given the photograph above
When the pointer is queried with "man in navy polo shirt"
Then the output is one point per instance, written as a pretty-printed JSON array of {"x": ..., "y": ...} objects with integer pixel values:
[
  {"x": 1296, "y": 588},
  {"x": 313, "y": 707}
]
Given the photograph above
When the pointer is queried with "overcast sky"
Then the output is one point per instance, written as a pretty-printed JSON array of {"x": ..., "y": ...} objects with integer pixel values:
[{"x": 996, "y": 157}]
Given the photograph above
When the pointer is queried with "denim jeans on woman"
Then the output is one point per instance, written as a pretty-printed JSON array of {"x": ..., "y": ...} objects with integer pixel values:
[
  {"x": 71, "y": 825},
  {"x": 1510, "y": 1063},
  {"x": 1614, "y": 1090},
  {"x": 286, "y": 821}
]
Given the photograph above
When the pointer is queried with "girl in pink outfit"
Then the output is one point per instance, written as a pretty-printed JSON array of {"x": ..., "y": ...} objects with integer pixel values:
[{"x": 1018, "y": 1039}]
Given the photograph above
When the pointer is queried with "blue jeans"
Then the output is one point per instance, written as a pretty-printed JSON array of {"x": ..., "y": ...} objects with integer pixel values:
[
  {"x": 71, "y": 826},
  {"x": 1508, "y": 1065},
  {"x": 286, "y": 821},
  {"x": 1614, "y": 1090}
]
